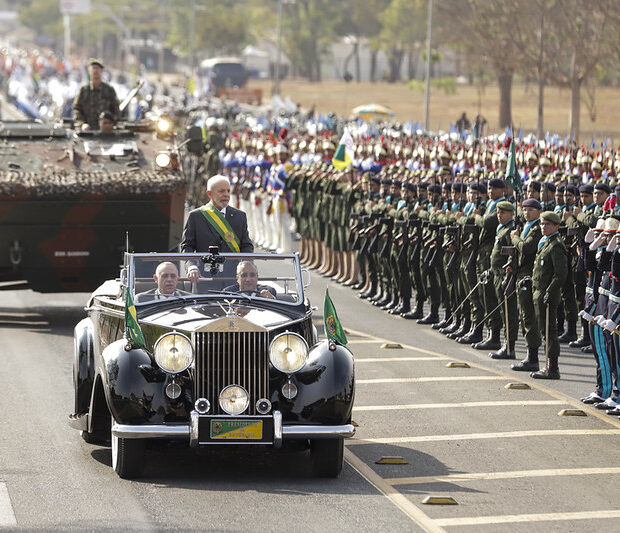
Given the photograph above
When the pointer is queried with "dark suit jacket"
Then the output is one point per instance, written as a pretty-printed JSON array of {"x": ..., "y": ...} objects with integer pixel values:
[
  {"x": 259, "y": 288},
  {"x": 199, "y": 234},
  {"x": 151, "y": 295}
]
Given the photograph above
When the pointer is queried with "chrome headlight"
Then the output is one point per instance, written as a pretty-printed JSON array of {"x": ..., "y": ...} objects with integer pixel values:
[
  {"x": 163, "y": 159},
  {"x": 174, "y": 352},
  {"x": 288, "y": 352},
  {"x": 234, "y": 399}
]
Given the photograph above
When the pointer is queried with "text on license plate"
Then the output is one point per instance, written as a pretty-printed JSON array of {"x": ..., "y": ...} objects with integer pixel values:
[{"x": 236, "y": 429}]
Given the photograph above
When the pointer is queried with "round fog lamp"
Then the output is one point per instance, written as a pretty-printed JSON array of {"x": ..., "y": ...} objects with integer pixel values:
[
  {"x": 173, "y": 390},
  {"x": 202, "y": 405},
  {"x": 263, "y": 406},
  {"x": 289, "y": 390},
  {"x": 164, "y": 125},
  {"x": 234, "y": 400}
]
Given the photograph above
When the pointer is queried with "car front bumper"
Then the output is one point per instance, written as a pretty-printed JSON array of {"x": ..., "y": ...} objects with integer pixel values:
[{"x": 190, "y": 431}]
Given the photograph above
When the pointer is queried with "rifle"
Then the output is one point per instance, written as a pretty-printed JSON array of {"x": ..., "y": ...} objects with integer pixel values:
[
  {"x": 415, "y": 238},
  {"x": 453, "y": 240},
  {"x": 399, "y": 238}
]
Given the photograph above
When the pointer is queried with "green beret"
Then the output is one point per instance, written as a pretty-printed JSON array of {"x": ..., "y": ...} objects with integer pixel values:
[
  {"x": 506, "y": 206},
  {"x": 551, "y": 217}
]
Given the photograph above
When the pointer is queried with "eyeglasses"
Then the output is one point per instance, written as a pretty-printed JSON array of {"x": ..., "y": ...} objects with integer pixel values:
[{"x": 249, "y": 275}]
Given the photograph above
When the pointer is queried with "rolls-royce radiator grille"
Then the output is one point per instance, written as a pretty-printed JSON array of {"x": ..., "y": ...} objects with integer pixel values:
[{"x": 227, "y": 358}]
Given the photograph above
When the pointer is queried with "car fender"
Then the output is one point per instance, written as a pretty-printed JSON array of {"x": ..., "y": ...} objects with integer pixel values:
[
  {"x": 83, "y": 365},
  {"x": 135, "y": 387},
  {"x": 326, "y": 388}
]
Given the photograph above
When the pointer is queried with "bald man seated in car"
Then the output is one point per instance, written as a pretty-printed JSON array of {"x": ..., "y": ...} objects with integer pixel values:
[
  {"x": 167, "y": 277},
  {"x": 247, "y": 282}
]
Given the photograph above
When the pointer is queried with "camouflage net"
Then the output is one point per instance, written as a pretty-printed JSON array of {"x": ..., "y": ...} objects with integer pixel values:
[{"x": 72, "y": 184}]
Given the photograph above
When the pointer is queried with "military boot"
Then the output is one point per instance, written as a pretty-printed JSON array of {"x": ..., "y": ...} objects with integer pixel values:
[
  {"x": 393, "y": 303},
  {"x": 379, "y": 294},
  {"x": 507, "y": 351},
  {"x": 454, "y": 324},
  {"x": 432, "y": 317},
  {"x": 492, "y": 342},
  {"x": 372, "y": 290},
  {"x": 462, "y": 331},
  {"x": 474, "y": 335},
  {"x": 417, "y": 313},
  {"x": 570, "y": 334},
  {"x": 584, "y": 340},
  {"x": 385, "y": 300},
  {"x": 546, "y": 373},
  {"x": 529, "y": 364},
  {"x": 447, "y": 318},
  {"x": 403, "y": 307}
]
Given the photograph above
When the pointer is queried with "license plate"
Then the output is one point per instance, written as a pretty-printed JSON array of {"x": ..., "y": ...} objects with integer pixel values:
[{"x": 236, "y": 429}]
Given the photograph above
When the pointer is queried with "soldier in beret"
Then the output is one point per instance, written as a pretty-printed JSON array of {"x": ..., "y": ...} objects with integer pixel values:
[
  {"x": 550, "y": 269},
  {"x": 94, "y": 98},
  {"x": 526, "y": 243}
]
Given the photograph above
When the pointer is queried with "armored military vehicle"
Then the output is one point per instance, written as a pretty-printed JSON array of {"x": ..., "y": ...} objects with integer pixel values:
[{"x": 72, "y": 202}]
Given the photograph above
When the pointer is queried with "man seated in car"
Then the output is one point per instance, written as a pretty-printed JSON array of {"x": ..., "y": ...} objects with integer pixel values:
[
  {"x": 167, "y": 277},
  {"x": 107, "y": 122},
  {"x": 247, "y": 282}
]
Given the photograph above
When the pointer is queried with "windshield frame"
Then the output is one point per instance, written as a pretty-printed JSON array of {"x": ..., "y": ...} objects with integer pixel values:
[{"x": 131, "y": 259}]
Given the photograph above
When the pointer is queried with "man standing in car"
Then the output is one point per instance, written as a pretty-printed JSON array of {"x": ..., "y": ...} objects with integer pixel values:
[
  {"x": 94, "y": 98},
  {"x": 216, "y": 224}
]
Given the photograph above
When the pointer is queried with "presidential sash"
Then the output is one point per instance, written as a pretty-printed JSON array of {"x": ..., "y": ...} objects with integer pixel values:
[{"x": 220, "y": 224}]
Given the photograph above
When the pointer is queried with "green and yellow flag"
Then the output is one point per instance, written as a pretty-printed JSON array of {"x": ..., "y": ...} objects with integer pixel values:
[
  {"x": 220, "y": 224},
  {"x": 132, "y": 327},
  {"x": 333, "y": 328},
  {"x": 344, "y": 154}
]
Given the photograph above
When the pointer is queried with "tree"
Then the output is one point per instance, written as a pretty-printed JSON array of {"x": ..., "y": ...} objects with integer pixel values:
[
  {"x": 403, "y": 31},
  {"x": 583, "y": 40}
]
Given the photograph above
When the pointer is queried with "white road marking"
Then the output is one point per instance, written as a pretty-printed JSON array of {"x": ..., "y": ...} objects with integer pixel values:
[
  {"x": 391, "y": 359},
  {"x": 398, "y": 499},
  {"x": 426, "y": 379},
  {"x": 542, "y": 517},
  {"x": 479, "y": 436},
  {"x": 7, "y": 516},
  {"x": 515, "y": 474},
  {"x": 507, "y": 403}
]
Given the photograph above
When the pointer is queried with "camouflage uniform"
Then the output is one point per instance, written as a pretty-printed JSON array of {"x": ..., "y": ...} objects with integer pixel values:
[{"x": 91, "y": 101}]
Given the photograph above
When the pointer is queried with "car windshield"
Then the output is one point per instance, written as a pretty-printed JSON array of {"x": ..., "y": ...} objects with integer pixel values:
[{"x": 261, "y": 276}]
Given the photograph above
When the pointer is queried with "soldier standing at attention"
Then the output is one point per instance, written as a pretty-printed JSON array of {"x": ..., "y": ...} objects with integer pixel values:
[
  {"x": 526, "y": 243},
  {"x": 94, "y": 98},
  {"x": 550, "y": 270}
]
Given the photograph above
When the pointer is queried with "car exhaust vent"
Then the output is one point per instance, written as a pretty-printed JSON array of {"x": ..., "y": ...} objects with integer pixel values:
[{"x": 232, "y": 358}]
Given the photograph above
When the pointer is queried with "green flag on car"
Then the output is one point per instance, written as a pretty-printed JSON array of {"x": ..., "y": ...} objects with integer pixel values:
[
  {"x": 132, "y": 327},
  {"x": 333, "y": 328}
]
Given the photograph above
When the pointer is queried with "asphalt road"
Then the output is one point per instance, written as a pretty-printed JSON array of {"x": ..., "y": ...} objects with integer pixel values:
[{"x": 505, "y": 456}]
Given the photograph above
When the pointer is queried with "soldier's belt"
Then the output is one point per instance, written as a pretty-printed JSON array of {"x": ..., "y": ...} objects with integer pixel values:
[
  {"x": 589, "y": 290},
  {"x": 615, "y": 299},
  {"x": 604, "y": 292}
]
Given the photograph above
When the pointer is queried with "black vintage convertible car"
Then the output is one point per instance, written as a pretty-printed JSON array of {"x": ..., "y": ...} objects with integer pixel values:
[{"x": 232, "y": 359}]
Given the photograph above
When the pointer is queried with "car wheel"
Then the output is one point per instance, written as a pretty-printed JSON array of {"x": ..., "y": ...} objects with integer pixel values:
[
  {"x": 128, "y": 457},
  {"x": 327, "y": 456}
]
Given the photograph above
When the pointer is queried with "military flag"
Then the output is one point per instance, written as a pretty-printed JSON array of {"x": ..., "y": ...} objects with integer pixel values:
[
  {"x": 333, "y": 328},
  {"x": 132, "y": 327},
  {"x": 345, "y": 152},
  {"x": 512, "y": 174}
]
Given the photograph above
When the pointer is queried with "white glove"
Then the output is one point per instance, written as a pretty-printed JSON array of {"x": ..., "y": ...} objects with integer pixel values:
[
  {"x": 586, "y": 316},
  {"x": 599, "y": 319},
  {"x": 611, "y": 247},
  {"x": 609, "y": 325},
  {"x": 589, "y": 236},
  {"x": 597, "y": 242}
]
